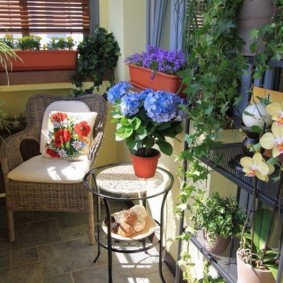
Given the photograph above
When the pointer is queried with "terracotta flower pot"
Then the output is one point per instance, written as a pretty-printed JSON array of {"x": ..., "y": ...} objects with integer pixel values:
[
  {"x": 142, "y": 78},
  {"x": 45, "y": 60},
  {"x": 216, "y": 246},
  {"x": 145, "y": 166},
  {"x": 246, "y": 273}
]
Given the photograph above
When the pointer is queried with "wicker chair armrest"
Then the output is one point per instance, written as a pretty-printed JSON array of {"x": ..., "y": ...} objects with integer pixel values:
[
  {"x": 11, "y": 147},
  {"x": 95, "y": 145}
]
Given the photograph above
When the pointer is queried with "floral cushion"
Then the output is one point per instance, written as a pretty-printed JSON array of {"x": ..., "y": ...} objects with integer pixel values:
[{"x": 69, "y": 134}]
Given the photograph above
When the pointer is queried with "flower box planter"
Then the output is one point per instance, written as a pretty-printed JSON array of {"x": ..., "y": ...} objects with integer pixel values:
[
  {"x": 45, "y": 60},
  {"x": 142, "y": 78}
]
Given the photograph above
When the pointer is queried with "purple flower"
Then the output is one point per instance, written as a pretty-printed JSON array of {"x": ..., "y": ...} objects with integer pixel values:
[
  {"x": 117, "y": 91},
  {"x": 159, "y": 59}
]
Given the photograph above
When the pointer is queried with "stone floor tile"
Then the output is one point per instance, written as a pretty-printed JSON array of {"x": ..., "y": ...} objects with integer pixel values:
[
  {"x": 68, "y": 219},
  {"x": 100, "y": 274},
  {"x": 24, "y": 256},
  {"x": 66, "y": 257},
  {"x": 36, "y": 234},
  {"x": 30, "y": 273},
  {"x": 64, "y": 278},
  {"x": 73, "y": 232}
]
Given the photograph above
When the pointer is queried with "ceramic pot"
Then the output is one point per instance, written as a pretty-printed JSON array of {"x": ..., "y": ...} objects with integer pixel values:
[
  {"x": 142, "y": 78},
  {"x": 216, "y": 246},
  {"x": 145, "y": 166},
  {"x": 246, "y": 273}
]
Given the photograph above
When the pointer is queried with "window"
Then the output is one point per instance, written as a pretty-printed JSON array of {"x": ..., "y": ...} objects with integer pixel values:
[{"x": 50, "y": 16}]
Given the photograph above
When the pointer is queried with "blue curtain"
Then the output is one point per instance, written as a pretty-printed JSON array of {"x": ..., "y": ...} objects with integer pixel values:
[
  {"x": 156, "y": 14},
  {"x": 178, "y": 18},
  {"x": 156, "y": 11}
]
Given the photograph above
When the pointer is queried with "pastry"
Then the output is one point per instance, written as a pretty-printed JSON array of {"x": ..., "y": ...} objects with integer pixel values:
[
  {"x": 128, "y": 216},
  {"x": 125, "y": 229}
]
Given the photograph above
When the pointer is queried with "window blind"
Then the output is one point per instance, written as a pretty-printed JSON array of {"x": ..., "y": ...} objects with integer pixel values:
[{"x": 51, "y": 16}]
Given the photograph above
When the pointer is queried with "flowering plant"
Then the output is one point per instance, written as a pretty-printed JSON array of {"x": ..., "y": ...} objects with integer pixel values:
[
  {"x": 157, "y": 59},
  {"x": 68, "y": 136},
  {"x": 145, "y": 118},
  {"x": 254, "y": 245}
]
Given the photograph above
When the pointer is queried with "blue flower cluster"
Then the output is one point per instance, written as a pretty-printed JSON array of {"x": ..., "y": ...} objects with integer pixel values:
[
  {"x": 159, "y": 59},
  {"x": 160, "y": 106},
  {"x": 145, "y": 119},
  {"x": 116, "y": 91}
]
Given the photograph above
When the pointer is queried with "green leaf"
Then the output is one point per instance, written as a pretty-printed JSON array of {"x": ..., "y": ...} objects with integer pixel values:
[{"x": 263, "y": 226}]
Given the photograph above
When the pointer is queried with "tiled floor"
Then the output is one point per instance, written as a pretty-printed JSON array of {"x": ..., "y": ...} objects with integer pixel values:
[{"x": 53, "y": 248}]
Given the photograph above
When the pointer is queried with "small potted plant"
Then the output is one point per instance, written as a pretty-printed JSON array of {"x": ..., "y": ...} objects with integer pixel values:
[
  {"x": 157, "y": 68},
  {"x": 144, "y": 119},
  {"x": 220, "y": 218}
]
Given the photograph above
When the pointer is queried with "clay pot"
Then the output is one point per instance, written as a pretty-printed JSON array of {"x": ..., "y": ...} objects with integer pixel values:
[
  {"x": 246, "y": 273},
  {"x": 216, "y": 246},
  {"x": 145, "y": 166}
]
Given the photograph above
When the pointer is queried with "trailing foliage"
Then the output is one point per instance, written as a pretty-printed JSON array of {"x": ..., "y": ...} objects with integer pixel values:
[
  {"x": 268, "y": 41},
  {"x": 98, "y": 55}
]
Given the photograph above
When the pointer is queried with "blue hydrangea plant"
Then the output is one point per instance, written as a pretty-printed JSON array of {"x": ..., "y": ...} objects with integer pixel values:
[{"x": 145, "y": 118}]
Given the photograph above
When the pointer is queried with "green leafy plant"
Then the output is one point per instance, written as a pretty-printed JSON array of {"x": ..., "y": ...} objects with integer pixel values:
[
  {"x": 218, "y": 216},
  {"x": 7, "y": 54},
  {"x": 56, "y": 43},
  {"x": 30, "y": 42},
  {"x": 212, "y": 77},
  {"x": 98, "y": 55}
]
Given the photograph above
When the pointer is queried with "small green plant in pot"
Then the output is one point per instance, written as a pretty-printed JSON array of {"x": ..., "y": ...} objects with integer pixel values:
[{"x": 220, "y": 218}]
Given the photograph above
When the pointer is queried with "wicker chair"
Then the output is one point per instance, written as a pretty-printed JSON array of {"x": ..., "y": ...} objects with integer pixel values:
[{"x": 25, "y": 145}]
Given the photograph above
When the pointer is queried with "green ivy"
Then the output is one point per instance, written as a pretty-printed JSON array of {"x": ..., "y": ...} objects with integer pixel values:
[{"x": 98, "y": 55}]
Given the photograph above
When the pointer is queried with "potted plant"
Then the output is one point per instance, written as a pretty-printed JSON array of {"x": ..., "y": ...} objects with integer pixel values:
[
  {"x": 219, "y": 217},
  {"x": 32, "y": 56},
  {"x": 7, "y": 55},
  {"x": 98, "y": 56},
  {"x": 157, "y": 68},
  {"x": 144, "y": 119},
  {"x": 255, "y": 255}
]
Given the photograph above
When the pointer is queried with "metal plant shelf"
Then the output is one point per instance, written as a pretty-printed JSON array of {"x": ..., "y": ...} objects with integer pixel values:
[
  {"x": 267, "y": 190},
  {"x": 225, "y": 263}
]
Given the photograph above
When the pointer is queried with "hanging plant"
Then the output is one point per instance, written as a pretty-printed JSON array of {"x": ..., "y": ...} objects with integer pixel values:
[{"x": 98, "y": 55}]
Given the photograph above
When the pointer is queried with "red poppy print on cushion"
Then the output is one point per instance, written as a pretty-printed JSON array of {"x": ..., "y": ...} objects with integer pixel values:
[
  {"x": 52, "y": 153},
  {"x": 69, "y": 134},
  {"x": 59, "y": 117},
  {"x": 61, "y": 136},
  {"x": 82, "y": 129}
]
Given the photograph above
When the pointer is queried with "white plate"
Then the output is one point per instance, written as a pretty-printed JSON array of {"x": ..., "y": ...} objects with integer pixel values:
[{"x": 149, "y": 228}]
